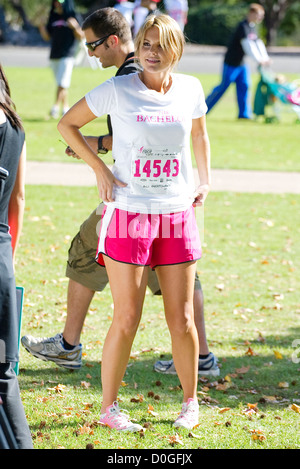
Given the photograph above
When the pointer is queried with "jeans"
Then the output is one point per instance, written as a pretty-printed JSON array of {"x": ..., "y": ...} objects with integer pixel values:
[{"x": 241, "y": 77}]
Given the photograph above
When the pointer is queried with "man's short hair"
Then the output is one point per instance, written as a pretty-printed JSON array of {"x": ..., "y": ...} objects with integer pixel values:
[
  {"x": 256, "y": 7},
  {"x": 108, "y": 21}
]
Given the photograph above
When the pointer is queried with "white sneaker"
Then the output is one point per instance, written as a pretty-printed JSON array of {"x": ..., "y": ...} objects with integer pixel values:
[
  {"x": 189, "y": 415},
  {"x": 54, "y": 112},
  {"x": 114, "y": 418}
]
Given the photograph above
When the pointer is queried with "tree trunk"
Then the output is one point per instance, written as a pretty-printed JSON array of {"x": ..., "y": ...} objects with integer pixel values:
[
  {"x": 18, "y": 6},
  {"x": 275, "y": 11}
]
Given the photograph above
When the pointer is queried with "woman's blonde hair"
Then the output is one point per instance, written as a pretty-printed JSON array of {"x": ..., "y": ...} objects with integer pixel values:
[{"x": 170, "y": 35}]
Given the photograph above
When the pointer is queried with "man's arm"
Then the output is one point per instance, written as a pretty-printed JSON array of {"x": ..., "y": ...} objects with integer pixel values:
[
  {"x": 256, "y": 50},
  {"x": 94, "y": 144}
]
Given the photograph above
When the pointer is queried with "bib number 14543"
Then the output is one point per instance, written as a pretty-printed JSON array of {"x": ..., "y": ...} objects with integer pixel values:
[{"x": 156, "y": 168}]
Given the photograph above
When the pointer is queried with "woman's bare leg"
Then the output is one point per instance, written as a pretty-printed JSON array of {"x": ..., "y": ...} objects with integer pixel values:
[
  {"x": 177, "y": 285},
  {"x": 128, "y": 285}
]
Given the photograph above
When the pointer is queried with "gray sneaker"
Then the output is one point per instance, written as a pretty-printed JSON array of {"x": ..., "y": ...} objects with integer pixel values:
[
  {"x": 52, "y": 349},
  {"x": 206, "y": 367}
]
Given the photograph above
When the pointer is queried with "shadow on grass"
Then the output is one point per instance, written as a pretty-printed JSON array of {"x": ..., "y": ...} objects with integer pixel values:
[{"x": 256, "y": 376}]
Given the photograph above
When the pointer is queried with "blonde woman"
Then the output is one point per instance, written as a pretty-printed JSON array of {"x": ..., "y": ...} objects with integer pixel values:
[{"x": 149, "y": 196}]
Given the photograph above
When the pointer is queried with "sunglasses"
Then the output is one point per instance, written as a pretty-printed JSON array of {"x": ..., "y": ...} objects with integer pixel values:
[{"x": 92, "y": 45}]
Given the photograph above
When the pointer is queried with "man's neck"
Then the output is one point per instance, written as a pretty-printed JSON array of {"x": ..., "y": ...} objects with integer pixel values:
[{"x": 125, "y": 49}]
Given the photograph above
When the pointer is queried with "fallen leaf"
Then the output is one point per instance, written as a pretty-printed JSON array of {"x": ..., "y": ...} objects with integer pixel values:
[
  {"x": 193, "y": 435},
  {"x": 85, "y": 384},
  {"x": 222, "y": 387},
  {"x": 295, "y": 408},
  {"x": 175, "y": 440},
  {"x": 151, "y": 411},
  {"x": 278, "y": 296},
  {"x": 250, "y": 352},
  {"x": 224, "y": 409},
  {"x": 257, "y": 435},
  {"x": 242, "y": 370},
  {"x": 251, "y": 409},
  {"x": 277, "y": 355},
  {"x": 283, "y": 385},
  {"x": 137, "y": 399},
  {"x": 59, "y": 388},
  {"x": 252, "y": 406}
]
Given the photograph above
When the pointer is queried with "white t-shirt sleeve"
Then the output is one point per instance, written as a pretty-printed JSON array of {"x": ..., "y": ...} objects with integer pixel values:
[
  {"x": 200, "y": 105},
  {"x": 102, "y": 99},
  {"x": 255, "y": 49}
]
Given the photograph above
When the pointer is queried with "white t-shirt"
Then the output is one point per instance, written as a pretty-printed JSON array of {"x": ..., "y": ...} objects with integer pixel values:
[
  {"x": 151, "y": 140},
  {"x": 178, "y": 5}
]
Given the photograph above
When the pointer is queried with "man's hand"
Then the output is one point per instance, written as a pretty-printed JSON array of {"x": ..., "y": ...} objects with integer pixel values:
[{"x": 70, "y": 152}]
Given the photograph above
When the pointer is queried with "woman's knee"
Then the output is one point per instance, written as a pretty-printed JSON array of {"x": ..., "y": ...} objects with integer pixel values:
[
  {"x": 127, "y": 321},
  {"x": 182, "y": 324}
]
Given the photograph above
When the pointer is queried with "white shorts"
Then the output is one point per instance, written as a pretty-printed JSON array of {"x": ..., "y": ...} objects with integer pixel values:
[{"x": 62, "y": 69}]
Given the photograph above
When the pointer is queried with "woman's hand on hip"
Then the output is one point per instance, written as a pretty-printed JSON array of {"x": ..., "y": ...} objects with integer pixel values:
[{"x": 200, "y": 194}]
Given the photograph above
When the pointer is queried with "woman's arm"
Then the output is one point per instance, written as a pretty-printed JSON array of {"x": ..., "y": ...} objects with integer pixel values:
[
  {"x": 74, "y": 25},
  {"x": 17, "y": 203},
  {"x": 44, "y": 32},
  {"x": 201, "y": 148},
  {"x": 69, "y": 127}
]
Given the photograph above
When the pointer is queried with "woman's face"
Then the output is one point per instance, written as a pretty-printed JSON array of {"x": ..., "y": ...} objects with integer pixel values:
[
  {"x": 58, "y": 7},
  {"x": 152, "y": 56}
]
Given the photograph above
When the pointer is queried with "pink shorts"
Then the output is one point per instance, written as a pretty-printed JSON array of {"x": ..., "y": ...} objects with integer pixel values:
[{"x": 149, "y": 239}]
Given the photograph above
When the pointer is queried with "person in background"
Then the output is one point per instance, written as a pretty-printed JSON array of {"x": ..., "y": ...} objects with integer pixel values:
[
  {"x": 126, "y": 8},
  {"x": 178, "y": 10},
  {"x": 142, "y": 8},
  {"x": 244, "y": 42},
  {"x": 85, "y": 275},
  {"x": 64, "y": 32},
  {"x": 12, "y": 201},
  {"x": 149, "y": 195}
]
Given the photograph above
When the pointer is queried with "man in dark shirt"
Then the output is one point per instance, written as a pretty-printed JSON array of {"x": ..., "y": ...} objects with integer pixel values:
[
  {"x": 63, "y": 31},
  {"x": 244, "y": 41}
]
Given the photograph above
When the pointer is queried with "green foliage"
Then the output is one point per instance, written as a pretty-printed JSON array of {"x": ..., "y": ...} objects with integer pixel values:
[
  {"x": 36, "y": 11},
  {"x": 291, "y": 21},
  {"x": 213, "y": 24}
]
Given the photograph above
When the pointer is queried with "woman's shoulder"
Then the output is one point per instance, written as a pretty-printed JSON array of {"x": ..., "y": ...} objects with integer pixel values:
[
  {"x": 126, "y": 78},
  {"x": 183, "y": 77},
  {"x": 190, "y": 82}
]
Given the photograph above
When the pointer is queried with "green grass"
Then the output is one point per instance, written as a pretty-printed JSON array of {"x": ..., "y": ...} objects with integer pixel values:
[
  {"x": 249, "y": 274},
  {"x": 235, "y": 144}
]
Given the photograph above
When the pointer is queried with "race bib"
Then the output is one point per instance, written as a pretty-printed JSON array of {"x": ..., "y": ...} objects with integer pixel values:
[{"x": 155, "y": 170}]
